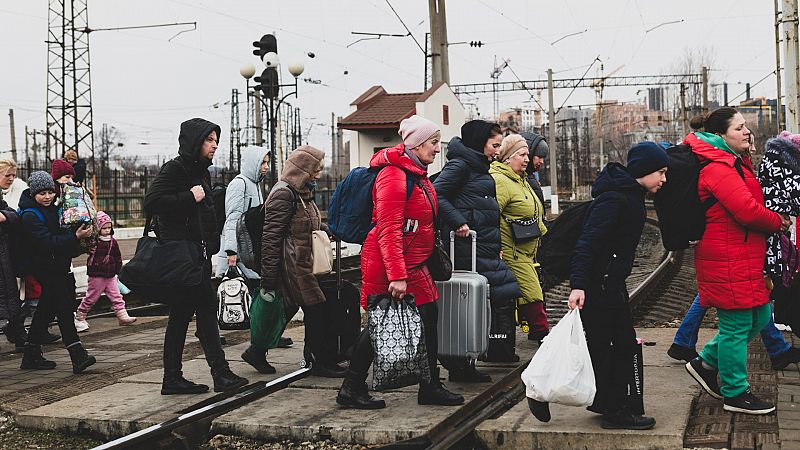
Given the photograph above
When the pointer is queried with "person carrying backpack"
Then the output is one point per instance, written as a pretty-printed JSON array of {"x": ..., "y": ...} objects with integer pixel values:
[
  {"x": 602, "y": 261},
  {"x": 394, "y": 254},
  {"x": 729, "y": 259},
  {"x": 242, "y": 193},
  {"x": 467, "y": 201}
]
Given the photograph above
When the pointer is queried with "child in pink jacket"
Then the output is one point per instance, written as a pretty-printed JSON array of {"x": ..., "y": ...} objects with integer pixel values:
[{"x": 102, "y": 267}]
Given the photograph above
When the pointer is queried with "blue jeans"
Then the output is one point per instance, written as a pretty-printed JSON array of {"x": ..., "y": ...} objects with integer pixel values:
[{"x": 687, "y": 332}]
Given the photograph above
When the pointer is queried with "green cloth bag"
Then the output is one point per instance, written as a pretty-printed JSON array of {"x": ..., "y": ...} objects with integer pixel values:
[{"x": 267, "y": 319}]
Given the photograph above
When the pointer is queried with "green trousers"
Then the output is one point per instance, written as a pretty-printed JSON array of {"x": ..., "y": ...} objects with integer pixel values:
[{"x": 727, "y": 351}]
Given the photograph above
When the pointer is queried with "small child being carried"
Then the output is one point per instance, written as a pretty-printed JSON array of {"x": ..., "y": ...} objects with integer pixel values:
[{"x": 102, "y": 267}]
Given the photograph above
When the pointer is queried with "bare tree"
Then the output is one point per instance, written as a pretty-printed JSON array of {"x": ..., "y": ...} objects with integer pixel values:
[{"x": 109, "y": 141}]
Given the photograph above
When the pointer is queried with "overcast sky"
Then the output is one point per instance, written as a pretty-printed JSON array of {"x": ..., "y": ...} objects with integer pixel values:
[{"x": 145, "y": 85}]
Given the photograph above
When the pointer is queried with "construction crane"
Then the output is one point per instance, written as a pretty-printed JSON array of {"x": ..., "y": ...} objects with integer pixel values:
[
  {"x": 495, "y": 75},
  {"x": 598, "y": 89}
]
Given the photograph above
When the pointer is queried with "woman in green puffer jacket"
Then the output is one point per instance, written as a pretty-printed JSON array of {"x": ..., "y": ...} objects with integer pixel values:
[{"x": 518, "y": 202}]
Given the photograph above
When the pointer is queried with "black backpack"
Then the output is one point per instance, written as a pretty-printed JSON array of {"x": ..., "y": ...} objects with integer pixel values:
[
  {"x": 681, "y": 214},
  {"x": 218, "y": 197},
  {"x": 558, "y": 244}
]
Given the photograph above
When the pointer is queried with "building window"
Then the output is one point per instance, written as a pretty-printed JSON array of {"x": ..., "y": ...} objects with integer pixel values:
[{"x": 445, "y": 115}]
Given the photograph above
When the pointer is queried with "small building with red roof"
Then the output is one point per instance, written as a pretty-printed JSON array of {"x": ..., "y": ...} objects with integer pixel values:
[{"x": 375, "y": 120}]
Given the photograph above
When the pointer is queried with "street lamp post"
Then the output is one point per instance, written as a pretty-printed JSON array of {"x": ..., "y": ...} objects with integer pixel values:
[{"x": 270, "y": 86}]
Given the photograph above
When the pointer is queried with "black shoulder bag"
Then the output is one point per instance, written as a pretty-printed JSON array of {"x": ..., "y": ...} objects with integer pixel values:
[
  {"x": 439, "y": 264},
  {"x": 526, "y": 229},
  {"x": 163, "y": 270}
]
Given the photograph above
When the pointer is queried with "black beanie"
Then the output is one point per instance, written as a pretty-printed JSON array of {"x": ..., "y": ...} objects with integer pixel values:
[
  {"x": 645, "y": 158},
  {"x": 475, "y": 133}
]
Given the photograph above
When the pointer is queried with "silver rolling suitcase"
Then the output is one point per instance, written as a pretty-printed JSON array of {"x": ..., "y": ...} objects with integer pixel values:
[{"x": 464, "y": 311}]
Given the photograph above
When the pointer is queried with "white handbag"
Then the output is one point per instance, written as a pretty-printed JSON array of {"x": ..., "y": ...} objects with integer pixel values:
[{"x": 322, "y": 253}]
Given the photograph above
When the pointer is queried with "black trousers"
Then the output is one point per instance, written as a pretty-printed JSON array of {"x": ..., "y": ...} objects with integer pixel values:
[
  {"x": 364, "y": 353},
  {"x": 56, "y": 301},
  {"x": 202, "y": 303},
  {"x": 612, "y": 346}
]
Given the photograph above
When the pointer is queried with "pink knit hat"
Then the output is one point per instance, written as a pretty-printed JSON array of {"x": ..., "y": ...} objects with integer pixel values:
[
  {"x": 416, "y": 130},
  {"x": 793, "y": 138},
  {"x": 102, "y": 219}
]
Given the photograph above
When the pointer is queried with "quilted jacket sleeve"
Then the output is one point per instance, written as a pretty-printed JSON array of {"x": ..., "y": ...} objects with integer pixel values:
[
  {"x": 448, "y": 186},
  {"x": 234, "y": 207},
  {"x": 390, "y": 206},
  {"x": 725, "y": 184},
  {"x": 278, "y": 214},
  {"x": 116, "y": 256},
  {"x": 599, "y": 224}
]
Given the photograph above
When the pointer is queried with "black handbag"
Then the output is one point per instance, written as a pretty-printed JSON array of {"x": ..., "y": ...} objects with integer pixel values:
[
  {"x": 524, "y": 230},
  {"x": 163, "y": 270},
  {"x": 439, "y": 264}
]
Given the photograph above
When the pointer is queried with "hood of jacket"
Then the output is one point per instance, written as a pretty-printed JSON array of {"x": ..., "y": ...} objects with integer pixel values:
[
  {"x": 251, "y": 162},
  {"x": 193, "y": 134},
  {"x": 476, "y": 160},
  {"x": 707, "y": 152},
  {"x": 475, "y": 133},
  {"x": 614, "y": 177},
  {"x": 783, "y": 151},
  {"x": 395, "y": 156},
  {"x": 300, "y": 167}
]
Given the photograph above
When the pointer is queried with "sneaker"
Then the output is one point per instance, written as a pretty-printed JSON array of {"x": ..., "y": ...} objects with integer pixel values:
[
  {"x": 791, "y": 356},
  {"x": 682, "y": 353},
  {"x": 627, "y": 421},
  {"x": 706, "y": 377},
  {"x": 747, "y": 403},
  {"x": 81, "y": 326}
]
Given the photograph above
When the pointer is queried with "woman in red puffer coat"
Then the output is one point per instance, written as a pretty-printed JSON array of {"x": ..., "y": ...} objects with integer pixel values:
[
  {"x": 394, "y": 253},
  {"x": 729, "y": 259}
]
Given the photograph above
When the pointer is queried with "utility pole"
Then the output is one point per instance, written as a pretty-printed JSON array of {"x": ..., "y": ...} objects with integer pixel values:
[
  {"x": 791, "y": 58},
  {"x": 27, "y": 155},
  {"x": 439, "y": 60},
  {"x": 684, "y": 121},
  {"x": 13, "y": 135},
  {"x": 779, "y": 111},
  {"x": 551, "y": 118},
  {"x": 334, "y": 150},
  {"x": 259, "y": 120},
  {"x": 343, "y": 158},
  {"x": 705, "y": 89}
]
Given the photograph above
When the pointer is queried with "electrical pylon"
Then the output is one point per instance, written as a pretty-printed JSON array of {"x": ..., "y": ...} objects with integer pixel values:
[{"x": 69, "y": 92}]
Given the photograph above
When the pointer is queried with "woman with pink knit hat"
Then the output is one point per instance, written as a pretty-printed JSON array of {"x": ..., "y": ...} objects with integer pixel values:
[{"x": 102, "y": 267}]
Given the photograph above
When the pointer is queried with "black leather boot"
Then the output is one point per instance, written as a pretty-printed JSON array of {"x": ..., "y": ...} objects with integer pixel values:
[
  {"x": 175, "y": 384},
  {"x": 81, "y": 359},
  {"x": 33, "y": 359},
  {"x": 225, "y": 380},
  {"x": 258, "y": 359},
  {"x": 433, "y": 392},
  {"x": 15, "y": 331},
  {"x": 468, "y": 374},
  {"x": 354, "y": 393}
]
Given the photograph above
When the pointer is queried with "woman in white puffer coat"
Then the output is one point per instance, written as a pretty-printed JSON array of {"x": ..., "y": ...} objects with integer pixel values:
[{"x": 242, "y": 193}]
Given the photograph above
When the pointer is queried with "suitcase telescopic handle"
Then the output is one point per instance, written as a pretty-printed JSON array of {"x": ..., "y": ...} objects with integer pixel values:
[{"x": 474, "y": 236}]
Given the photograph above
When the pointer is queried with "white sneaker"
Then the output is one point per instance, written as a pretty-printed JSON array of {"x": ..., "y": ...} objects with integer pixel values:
[{"x": 81, "y": 325}]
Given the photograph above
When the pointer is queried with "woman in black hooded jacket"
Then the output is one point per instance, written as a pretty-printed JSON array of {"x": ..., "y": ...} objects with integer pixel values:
[
  {"x": 181, "y": 207},
  {"x": 467, "y": 202}
]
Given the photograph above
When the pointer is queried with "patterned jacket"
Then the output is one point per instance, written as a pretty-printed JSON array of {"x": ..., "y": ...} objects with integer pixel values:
[{"x": 779, "y": 175}]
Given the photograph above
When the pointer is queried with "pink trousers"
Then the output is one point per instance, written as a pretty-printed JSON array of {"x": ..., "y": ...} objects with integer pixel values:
[{"x": 97, "y": 287}]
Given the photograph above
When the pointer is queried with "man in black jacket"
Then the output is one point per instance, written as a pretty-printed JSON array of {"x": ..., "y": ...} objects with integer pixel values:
[
  {"x": 182, "y": 208},
  {"x": 538, "y": 149}
]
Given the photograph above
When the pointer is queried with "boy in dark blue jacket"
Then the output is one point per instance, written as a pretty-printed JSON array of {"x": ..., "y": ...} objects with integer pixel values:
[
  {"x": 51, "y": 251},
  {"x": 602, "y": 260}
]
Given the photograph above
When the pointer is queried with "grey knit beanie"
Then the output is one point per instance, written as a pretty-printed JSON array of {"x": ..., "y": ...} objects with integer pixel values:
[{"x": 40, "y": 181}]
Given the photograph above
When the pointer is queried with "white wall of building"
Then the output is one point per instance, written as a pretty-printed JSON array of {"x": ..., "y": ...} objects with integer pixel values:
[{"x": 362, "y": 144}]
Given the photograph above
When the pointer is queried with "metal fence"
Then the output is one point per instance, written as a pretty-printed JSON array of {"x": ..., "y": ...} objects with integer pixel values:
[{"x": 120, "y": 193}]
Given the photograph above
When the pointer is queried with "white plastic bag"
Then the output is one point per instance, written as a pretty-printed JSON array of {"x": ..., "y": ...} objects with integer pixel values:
[{"x": 561, "y": 370}]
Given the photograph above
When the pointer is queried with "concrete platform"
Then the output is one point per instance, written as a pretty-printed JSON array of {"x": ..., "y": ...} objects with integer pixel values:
[{"x": 669, "y": 391}]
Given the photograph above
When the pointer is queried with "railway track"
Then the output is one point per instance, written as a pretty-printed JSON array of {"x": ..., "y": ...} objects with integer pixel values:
[{"x": 649, "y": 280}]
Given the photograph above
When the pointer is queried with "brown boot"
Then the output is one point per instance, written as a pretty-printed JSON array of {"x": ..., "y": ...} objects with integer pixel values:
[{"x": 123, "y": 318}]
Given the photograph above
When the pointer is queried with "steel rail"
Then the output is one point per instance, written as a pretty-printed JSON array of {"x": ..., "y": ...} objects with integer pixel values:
[{"x": 205, "y": 410}]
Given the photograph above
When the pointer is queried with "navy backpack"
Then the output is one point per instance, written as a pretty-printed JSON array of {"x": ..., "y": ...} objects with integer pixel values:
[{"x": 350, "y": 209}]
